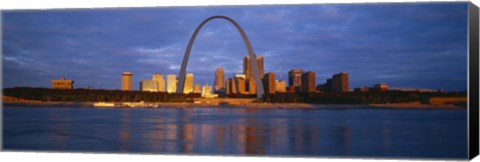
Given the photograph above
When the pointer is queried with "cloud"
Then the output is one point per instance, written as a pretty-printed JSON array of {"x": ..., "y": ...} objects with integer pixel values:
[{"x": 407, "y": 45}]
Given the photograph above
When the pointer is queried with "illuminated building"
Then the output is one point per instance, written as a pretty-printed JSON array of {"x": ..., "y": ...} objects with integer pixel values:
[
  {"x": 269, "y": 83},
  {"x": 171, "y": 83},
  {"x": 308, "y": 82},
  {"x": 160, "y": 80},
  {"x": 295, "y": 80},
  {"x": 188, "y": 88},
  {"x": 62, "y": 84},
  {"x": 219, "y": 80},
  {"x": 126, "y": 81},
  {"x": 247, "y": 67},
  {"x": 149, "y": 85},
  {"x": 280, "y": 86},
  {"x": 250, "y": 86},
  {"x": 340, "y": 82},
  {"x": 196, "y": 89}
]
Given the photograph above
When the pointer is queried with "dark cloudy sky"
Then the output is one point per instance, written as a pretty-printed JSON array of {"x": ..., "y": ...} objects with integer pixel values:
[{"x": 410, "y": 45}]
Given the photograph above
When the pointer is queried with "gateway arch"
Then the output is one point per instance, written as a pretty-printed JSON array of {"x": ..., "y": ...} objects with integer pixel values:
[{"x": 251, "y": 54}]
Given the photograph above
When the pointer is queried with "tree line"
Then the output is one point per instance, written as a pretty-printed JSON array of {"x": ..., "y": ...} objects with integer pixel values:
[
  {"x": 95, "y": 95},
  {"x": 391, "y": 96}
]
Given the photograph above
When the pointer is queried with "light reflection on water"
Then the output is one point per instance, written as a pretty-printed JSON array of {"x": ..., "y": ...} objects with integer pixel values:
[{"x": 228, "y": 131}]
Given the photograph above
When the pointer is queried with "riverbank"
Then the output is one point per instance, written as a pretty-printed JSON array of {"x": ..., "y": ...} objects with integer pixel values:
[
  {"x": 222, "y": 103},
  {"x": 247, "y": 105}
]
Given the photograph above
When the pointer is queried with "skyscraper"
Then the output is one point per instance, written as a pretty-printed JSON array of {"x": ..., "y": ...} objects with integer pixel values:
[
  {"x": 308, "y": 82},
  {"x": 340, "y": 82},
  {"x": 188, "y": 88},
  {"x": 247, "y": 67},
  {"x": 295, "y": 79},
  {"x": 269, "y": 83},
  {"x": 149, "y": 85},
  {"x": 250, "y": 86},
  {"x": 239, "y": 82},
  {"x": 171, "y": 83},
  {"x": 160, "y": 80},
  {"x": 219, "y": 79},
  {"x": 206, "y": 91},
  {"x": 126, "y": 81}
]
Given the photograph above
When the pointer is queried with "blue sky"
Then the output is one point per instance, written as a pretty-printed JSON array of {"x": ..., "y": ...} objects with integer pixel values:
[{"x": 408, "y": 45}]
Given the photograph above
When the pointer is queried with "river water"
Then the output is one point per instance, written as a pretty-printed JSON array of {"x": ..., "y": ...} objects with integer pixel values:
[{"x": 383, "y": 133}]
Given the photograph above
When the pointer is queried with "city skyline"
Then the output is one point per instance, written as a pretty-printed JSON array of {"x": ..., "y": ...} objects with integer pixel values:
[{"x": 370, "y": 42}]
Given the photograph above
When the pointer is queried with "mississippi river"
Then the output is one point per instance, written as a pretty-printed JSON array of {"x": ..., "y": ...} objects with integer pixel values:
[{"x": 365, "y": 132}]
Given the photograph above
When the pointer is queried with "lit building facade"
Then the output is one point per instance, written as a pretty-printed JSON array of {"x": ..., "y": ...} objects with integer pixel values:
[
  {"x": 206, "y": 91},
  {"x": 126, "y": 81},
  {"x": 340, "y": 82},
  {"x": 269, "y": 83},
  {"x": 219, "y": 82},
  {"x": 171, "y": 83},
  {"x": 188, "y": 88},
  {"x": 295, "y": 80},
  {"x": 250, "y": 86},
  {"x": 308, "y": 82},
  {"x": 160, "y": 80},
  {"x": 62, "y": 84},
  {"x": 196, "y": 89},
  {"x": 149, "y": 86},
  {"x": 247, "y": 67},
  {"x": 280, "y": 86}
]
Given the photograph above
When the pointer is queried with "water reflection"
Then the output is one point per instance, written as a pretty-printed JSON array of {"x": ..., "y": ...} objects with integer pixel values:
[
  {"x": 242, "y": 131},
  {"x": 60, "y": 122}
]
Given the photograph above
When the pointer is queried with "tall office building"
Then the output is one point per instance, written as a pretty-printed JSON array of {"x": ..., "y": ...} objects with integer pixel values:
[
  {"x": 308, "y": 82},
  {"x": 206, "y": 91},
  {"x": 340, "y": 82},
  {"x": 247, "y": 67},
  {"x": 219, "y": 79},
  {"x": 230, "y": 87},
  {"x": 62, "y": 84},
  {"x": 250, "y": 86},
  {"x": 160, "y": 80},
  {"x": 171, "y": 83},
  {"x": 188, "y": 88},
  {"x": 126, "y": 81},
  {"x": 149, "y": 85},
  {"x": 280, "y": 86},
  {"x": 295, "y": 80},
  {"x": 269, "y": 83},
  {"x": 239, "y": 82}
]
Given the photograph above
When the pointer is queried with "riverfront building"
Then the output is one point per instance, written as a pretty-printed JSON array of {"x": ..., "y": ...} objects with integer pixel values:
[
  {"x": 188, "y": 88},
  {"x": 308, "y": 82},
  {"x": 160, "y": 80},
  {"x": 126, "y": 81},
  {"x": 269, "y": 83},
  {"x": 219, "y": 82},
  {"x": 149, "y": 86},
  {"x": 171, "y": 83},
  {"x": 280, "y": 86},
  {"x": 196, "y": 89},
  {"x": 295, "y": 80},
  {"x": 247, "y": 66},
  {"x": 62, "y": 84},
  {"x": 340, "y": 82}
]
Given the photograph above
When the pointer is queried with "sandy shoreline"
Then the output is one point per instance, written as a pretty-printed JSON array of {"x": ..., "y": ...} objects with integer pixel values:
[{"x": 248, "y": 105}]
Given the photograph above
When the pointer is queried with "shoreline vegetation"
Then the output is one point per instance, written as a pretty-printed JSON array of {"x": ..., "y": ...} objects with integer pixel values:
[{"x": 43, "y": 97}]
